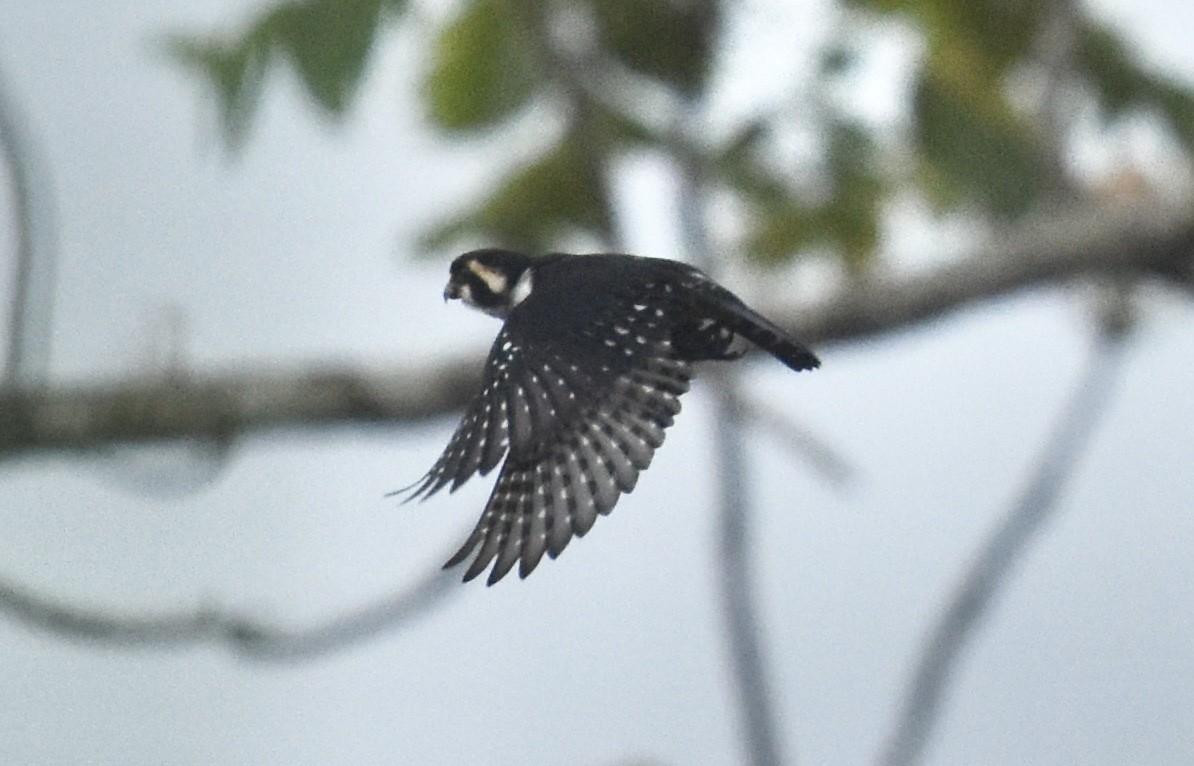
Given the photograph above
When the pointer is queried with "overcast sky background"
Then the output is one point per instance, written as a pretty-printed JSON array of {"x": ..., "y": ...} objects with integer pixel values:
[{"x": 299, "y": 252}]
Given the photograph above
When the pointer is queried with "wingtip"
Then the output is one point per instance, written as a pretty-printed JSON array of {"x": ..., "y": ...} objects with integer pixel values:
[
  {"x": 473, "y": 572},
  {"x": 416, "y": 491},
  {"x": 468, "y": 576}
]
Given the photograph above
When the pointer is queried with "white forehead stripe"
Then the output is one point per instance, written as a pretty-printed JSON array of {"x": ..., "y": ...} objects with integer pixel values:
[
  {"x": 522, "y": 288},
  {"x": 493, "y": 279}
]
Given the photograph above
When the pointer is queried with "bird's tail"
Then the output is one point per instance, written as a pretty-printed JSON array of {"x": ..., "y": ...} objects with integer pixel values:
[{"x": 765, "y": 334}]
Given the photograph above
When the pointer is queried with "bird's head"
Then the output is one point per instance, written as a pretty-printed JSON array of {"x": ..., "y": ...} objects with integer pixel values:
[{"x": 492, "y": 280}]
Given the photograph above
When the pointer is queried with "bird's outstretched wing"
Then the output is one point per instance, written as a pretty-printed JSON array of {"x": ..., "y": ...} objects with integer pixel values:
[
  {"x": 482, "y": 438},
  {"x": 545, "y": 496},
  {"x": 579, "y": 424}
]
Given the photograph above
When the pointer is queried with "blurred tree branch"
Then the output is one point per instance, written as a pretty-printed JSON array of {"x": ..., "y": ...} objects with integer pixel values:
[
  {"x": 1140, "y": 242},
  {"x": 31, "y": 303},
  {"x": 734, "y": 505},
  {"x": 976, "y": 593},
  {"x": 1152, "y": 242},
  {"x": 244, "y": 635}
]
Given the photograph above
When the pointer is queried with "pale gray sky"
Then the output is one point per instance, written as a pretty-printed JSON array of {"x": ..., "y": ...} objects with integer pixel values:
[{"x": 298, "y": 251}]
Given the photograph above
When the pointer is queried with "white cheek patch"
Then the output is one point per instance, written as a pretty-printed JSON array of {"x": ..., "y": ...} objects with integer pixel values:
[{"x": 522, "y": 288}]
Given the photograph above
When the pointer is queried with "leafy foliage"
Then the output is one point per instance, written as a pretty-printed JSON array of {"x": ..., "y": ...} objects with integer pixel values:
[
  {"x": 975, "y": 147},
  {"x": 327, "y": 42},
  {"x": 484, "y": 69},
  {"x": 669, "y": 41},
  {"x": 968, "y": 142},
  {"x": 559, "y": 193},
  {"x": 972, "y": 144},
  {"x": 845, "y": 214},
  {"x": 234, "y": 72},
  {"x": 1123, "y": 87},
  {"x": 982, "y": 39}
]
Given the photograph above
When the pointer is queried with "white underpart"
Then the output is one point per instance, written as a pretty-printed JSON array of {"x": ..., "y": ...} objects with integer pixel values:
[{"x": 522, "y": 288}]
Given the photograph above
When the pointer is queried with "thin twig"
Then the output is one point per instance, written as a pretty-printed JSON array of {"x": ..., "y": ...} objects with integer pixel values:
[
  {"x": 822, "y": 457},
  {"x": 738, "y": 592},
  {"x": 27, "y": 355},
  {"x": 991, "y": 571},
  {"x": 573, "y": 80},
  {"x": 242, "y": 635}
]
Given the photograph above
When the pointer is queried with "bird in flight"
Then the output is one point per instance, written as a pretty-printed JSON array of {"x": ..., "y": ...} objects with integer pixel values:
[{"x": 583, "y": 378}]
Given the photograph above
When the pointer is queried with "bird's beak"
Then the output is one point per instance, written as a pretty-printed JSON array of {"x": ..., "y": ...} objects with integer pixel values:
[{"x": 451, "y": 291}]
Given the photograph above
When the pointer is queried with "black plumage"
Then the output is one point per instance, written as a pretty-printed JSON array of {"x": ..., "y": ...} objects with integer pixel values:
[{"x": 580, "y": 384}]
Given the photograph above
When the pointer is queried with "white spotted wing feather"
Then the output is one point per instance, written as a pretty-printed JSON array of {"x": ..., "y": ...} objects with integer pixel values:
[{"x": 578, "y": 437}]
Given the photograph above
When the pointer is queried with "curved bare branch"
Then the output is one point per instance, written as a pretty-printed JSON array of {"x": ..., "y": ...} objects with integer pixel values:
[
  {"x": 243, "y": 635},
  {"x": 992, "y": 568},
  {"x": 30, "y": 309},
  {"x": 1155, "y": 242}
]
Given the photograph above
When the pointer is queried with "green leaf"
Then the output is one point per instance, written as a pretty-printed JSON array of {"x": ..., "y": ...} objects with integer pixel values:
[
  {"x": 851, "y": 217},
  {"x": 670, "y": 41},
  {"x": 991, "y": 36},
  {"x": 1177, "y": 106},
  {"x": 1122, "y": 86},
  {"x": 484, "y": 67},
  {"x": 739, "y": 164},
  {"x": 1103, "y": 60},
  {"x": 781, "y": 230},
  {"x": 782, "y": 225},
  {"x": 779, "y": 225},
  {"x": 234, "y": 71},
  {"x": 976, "y": 148},
  {"x": 561, "y": 193},
  {"x": 329, "y": 42}
]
